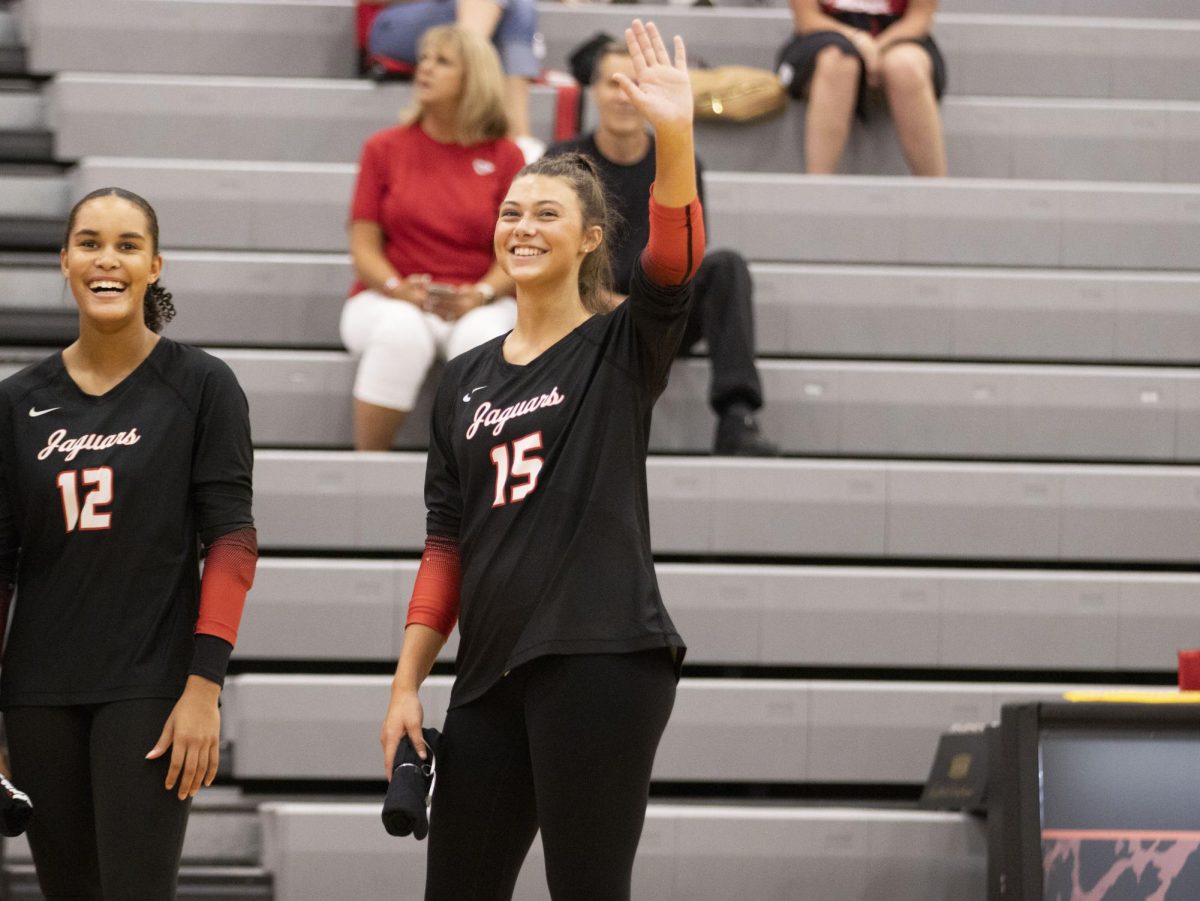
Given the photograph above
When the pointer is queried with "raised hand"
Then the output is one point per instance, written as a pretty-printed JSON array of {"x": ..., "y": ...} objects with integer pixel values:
[{"x": 660, "y": 89}]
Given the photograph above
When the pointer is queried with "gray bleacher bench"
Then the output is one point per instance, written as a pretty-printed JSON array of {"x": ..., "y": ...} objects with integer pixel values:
[
  {"x": 235, "y": 299},
  {"x": 987, "y": 54},
  {"x": 251, "y": 37},
  {"x": 767, "y": 217},
  {"x": 300, "y": 399},
  {"x": 235, "y": 118},
  {"x": 326, "y": 120},
  {"x": 753, "y": 614},
  {"x": 1144, "y": 9},
  {"x": 33, "y": 207},
  {"x": 787, "y": 508},
  {"x": 721, "y": 730},
  {"x": 688, "y": 852}
]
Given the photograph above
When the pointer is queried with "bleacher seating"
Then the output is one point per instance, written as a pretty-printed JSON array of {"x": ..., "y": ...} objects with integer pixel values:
[
  {"x": 216, "y": 117},
  {"x": 932, "y": 618},
  {"x": 781, "y": 218},
  {"x": 233, "y": 299},
  {"x": 1033, "y": 56},
  {"x": 687, "y": 851},
  {"x": 298, "y": 399},
  {"x": 986, "y": 386},
  {"x": 721, "y": 730}
]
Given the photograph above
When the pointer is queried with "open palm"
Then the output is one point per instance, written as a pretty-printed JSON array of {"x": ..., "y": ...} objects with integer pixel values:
[{"x": 660, "y": 89}]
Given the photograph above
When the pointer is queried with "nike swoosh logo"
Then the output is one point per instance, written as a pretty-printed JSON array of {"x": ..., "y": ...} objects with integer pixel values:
[
  {"x": 36, "y": 413},
  {"x": 467, "y": 396}
]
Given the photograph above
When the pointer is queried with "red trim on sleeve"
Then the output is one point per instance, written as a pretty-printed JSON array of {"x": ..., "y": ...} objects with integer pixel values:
[
  {"x": 676, "y": 244},
  {"x": 228, "y": 574},
  {"x": 436, "y": 592}
]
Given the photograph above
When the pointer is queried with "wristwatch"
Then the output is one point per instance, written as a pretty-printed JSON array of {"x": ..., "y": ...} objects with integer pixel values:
[
  {"x": 392, "y": 283},
  {"x": 488, "y": 292}
]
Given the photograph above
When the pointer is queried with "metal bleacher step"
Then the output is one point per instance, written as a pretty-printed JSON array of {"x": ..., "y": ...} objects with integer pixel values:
[
  {"x": 24, "y": 137},
  {"x": 873, "y": 509},
  {"x": 751, "y": 614},
  {"x": 722, "y": 730},
  {"x": 196, "y": 883},
  {"x": 987, "y": 54},
  {"x": 219, "y": 205},
  {"x": 688, "y": 852},
  {"x": 993, "y": 53},
  {"x": 221, "y": 853},
  {"x": 844, "y": 409},
  {"x": 33, "y": 205},
  {"x": 326, "y": 120},
  {"x": 1143, "y": 9},
  {"x": 801, "y": 508},
  {"x": 12, "y": 52},
  {"x": 801, "y": 310}
]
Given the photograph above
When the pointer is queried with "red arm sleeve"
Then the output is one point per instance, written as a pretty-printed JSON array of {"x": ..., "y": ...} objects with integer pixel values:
[
  {"x": 676, "y": 244},
  {"x": 436, "y": 593},
  {"x": 228, "y": 574}
]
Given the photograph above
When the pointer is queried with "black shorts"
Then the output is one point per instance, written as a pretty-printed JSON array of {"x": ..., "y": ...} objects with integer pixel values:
[{"x": 798, "y": 57}]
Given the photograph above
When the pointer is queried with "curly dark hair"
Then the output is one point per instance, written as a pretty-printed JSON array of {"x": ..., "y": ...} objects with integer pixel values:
[
  {"x": 582, "y": 174},
  {"x": 157, "y": 309}
]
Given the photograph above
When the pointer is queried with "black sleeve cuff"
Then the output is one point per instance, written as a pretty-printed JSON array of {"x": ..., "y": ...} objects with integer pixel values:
[{"x": 210, "y": 658}]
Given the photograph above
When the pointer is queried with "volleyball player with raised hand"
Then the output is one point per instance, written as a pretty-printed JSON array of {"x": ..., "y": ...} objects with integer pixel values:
[
  {"x": 120, "y": 457},
  {"x": 539, "y": 534}
]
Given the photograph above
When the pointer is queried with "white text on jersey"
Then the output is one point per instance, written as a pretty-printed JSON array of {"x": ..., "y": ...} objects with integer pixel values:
[
  {"x": 72, "y": 447},
  {"x": 496, "y": 419}
]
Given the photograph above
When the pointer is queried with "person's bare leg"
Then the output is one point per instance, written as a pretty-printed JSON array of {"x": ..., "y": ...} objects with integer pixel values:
[
  {"x": 517, "y": 104},
  {"x": 480, "y": 16},
  {"x": 908, "y": 83},
  {"x": 375, "y": 426},
  {"x": 832, "y": 94}
]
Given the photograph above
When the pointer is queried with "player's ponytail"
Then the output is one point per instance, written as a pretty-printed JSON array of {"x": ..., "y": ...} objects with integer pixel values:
[
  {"x": 157, "y": 309},
  {"x": 581, "y": 173}
]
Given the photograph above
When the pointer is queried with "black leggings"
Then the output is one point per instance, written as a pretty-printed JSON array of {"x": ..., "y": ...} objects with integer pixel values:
[
  {"x": 104, "y": 826},
  {"x": 564, "y": 743}
]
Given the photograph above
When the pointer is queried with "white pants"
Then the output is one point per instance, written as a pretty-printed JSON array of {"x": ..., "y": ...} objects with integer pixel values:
[{"x": 397, "y": 343}]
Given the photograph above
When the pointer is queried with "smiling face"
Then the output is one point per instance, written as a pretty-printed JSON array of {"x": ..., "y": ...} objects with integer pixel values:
[
  {"x": 440, "y": 74},
  {"x": 540, "y": 237},
  {"x": 109, "y": 260}
]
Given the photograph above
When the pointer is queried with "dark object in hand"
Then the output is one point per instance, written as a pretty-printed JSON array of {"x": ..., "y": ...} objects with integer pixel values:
[
  {"x": 408, "y": 792},
  {"x": 15, "y": 809}
]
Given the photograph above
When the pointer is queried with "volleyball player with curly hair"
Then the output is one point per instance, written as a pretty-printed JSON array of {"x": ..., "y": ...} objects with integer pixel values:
[{"x": 120, "y": 458}]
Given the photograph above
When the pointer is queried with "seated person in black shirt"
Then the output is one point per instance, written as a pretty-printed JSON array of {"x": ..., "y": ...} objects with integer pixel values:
[{"x": 722, "y": 310}]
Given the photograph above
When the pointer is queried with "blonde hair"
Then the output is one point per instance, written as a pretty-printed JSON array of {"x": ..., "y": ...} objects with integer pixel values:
[{"x": 481, "y": 115}]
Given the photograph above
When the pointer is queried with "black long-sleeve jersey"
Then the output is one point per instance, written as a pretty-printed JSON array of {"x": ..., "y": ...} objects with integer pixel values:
[
  {"x": 539, "y": 472},
  {"x": 103, "y": 502}
]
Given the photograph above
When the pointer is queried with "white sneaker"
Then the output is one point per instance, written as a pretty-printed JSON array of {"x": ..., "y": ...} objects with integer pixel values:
[{"x": 531, "y": 147}]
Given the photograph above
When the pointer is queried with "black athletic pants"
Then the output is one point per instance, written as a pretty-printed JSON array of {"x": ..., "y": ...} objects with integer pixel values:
[
  {"x": 104, "y": 827},
  {"x": 723, "y": 315},
  {"x": 564, "y": 743}
]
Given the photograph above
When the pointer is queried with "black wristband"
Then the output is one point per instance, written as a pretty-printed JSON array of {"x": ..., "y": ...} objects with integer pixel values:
[{"x": 210, "y": 658}]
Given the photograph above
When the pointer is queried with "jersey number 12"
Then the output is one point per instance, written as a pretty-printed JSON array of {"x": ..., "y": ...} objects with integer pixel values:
[{"x": 87, "y": 518}]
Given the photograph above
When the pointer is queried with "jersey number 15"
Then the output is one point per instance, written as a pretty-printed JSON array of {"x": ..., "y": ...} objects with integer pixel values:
[
  {"x": 88, "y": 518},
  {"x": 521, "y": 463}
]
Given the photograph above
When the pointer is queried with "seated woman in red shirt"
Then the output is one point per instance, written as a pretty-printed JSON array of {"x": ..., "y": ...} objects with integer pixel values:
[
  {"x": 421, "y": 232},
  {"x": 841, "y": 49}
]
